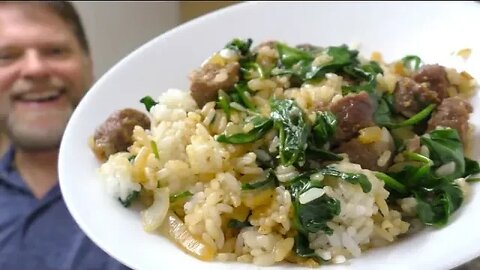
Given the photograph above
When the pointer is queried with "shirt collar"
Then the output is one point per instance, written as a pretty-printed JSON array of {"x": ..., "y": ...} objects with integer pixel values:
[{"x": 8, "y": 173}]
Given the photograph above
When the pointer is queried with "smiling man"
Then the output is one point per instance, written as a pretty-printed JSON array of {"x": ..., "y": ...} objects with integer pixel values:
[{"x": 45, "y": 69}]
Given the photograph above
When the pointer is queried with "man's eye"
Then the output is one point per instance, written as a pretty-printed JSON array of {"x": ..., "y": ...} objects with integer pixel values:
[
  {"x": 56, "y": 51},
  {"x": 8, "y": 56}
]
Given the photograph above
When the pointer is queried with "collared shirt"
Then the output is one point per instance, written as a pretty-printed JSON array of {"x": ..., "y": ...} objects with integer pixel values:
[{"x": 41, "y": 233}]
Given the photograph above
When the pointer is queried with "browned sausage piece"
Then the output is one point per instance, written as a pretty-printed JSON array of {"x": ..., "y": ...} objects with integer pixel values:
[
  {"x": 206, "y": 81},
  {"x": 377, "y": 156},
  {"x": 411, "y": 97},
  {"x": 115, "y": 134},
  {"x": 435, "y": 78},
  {"x": 453, "y": 113},
  {"x": 353, "y": 112}
]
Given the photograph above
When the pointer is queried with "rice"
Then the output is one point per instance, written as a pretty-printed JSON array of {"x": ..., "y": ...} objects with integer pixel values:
[{"x": 232, "y": 206}]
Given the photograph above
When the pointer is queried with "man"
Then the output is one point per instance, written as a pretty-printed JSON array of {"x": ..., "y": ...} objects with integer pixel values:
[{"x": 45, "y": 69}]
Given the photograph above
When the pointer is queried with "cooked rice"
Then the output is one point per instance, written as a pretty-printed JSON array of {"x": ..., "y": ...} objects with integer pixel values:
[{"x": 190, "y": 158}]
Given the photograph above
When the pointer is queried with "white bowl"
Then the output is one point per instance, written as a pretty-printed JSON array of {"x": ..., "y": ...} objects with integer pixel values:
[{"x": 431, "y": 30}]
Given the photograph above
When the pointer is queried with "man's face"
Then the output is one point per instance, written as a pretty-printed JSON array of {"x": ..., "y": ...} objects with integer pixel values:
[{"x": 43, "y": 75}]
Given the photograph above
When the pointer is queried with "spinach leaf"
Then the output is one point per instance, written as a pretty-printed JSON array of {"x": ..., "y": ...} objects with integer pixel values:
[
  {"x": 247, "y": 68},
  {"x": 223, "y": 102},
  {"x": 314, "y": 153},
  {"x": 383, "y": 116},
  {"x": 412, "y": 62},
  {"x": 342, "y": 57},
  {"x": 445, "y": 146},
  {"x": 237, "y": 224},
  {"x": 179, "y": 196},
  {"x": 290, "y": 56},
  {"x": 391, "y": 183},
  {"x": 261, "y": 126},
  {"x": 153, "y": 144},
  {"x": 298, "y": 62},
  {"x": 473, "y": 180},
  {"x": 130, "y": 198},
  {"x": 471, "y": 167},
  {"x": 368, "y": 74},
  {"x": 353, "y": 178},
  {"x": 293, "y": 131},
  {"x": 324, "y": 127},
  {"x": 270, "y": 181},
  {"x": 313, "y": 216},
  {"x": 302, "y": 248},
  {"x": 243, "y": 93},
  {"x": 148, "y": 102},
  {"x": 239, "y": 45},
  {"x": 302, "y": 183},
  {"x": 435, "y": 206}
]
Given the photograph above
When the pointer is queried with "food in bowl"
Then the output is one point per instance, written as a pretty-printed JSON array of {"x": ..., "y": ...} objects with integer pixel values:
[{"x": 302, "y": 154}]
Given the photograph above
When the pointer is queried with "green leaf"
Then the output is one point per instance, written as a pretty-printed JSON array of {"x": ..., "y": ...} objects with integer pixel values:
[
  {"x": 353, "y": 178},
  {"x": 130, "y": 198},
  {"x": 342, "y": 57},
  {"x": 243, "y": 93},
  {"x": 148, "y": 102},
  {"x": 314, "y": 215},
  {"x": 445, "y": 146},
  {"x": 223, "y": 102},
  {"x": 180, "y": 196},
  {"x": 293, "y": 131},
  {"x": 391, "y": 183},
  {"x": 435, "y": 206},
  {"x": 270, "y": 181},
  {"x": 302, "y": 248},
  {"x": 383, "y": 116},
  {"x": 471, "y": 167},
  {"x": 314, "y": 153},
  {"x": 247, "y": 68},
  {"x": 324, "y": 127},
  {"x": 473, "y": 180},
  {"x": 261, "y": 126},
  {"x": 155, "y": 149},
  {"x": 412, "y": 62},
  {"x": 290, "y": 56},
  {"x": 236, "y": 224},
  {"x": 239, "y": 45}
]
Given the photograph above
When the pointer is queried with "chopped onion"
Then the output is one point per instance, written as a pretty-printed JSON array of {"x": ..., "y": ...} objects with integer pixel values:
[{"x": 153, "y": 216}]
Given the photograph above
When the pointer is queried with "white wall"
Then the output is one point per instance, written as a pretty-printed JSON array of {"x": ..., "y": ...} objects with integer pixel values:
[{"x": 115, "y": 29}]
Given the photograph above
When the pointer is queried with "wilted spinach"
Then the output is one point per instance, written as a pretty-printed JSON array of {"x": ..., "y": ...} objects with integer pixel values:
[
  {"x": 149, "y": 102},
  {"x": 436, "y": 205},
  {"x": 412, "y": 62},
  {"x": 445, "y": 146},
  {"x": 242, "y": 47},
  {"x": 180, "y": 196},
  {"x": 130, "y": 198},
  {"x": 324, "y": 127},
  {"x": 261, "y": 125},
  {"x": 298, "y": 62},
  {"x": 302, "y": 247},
  {"x": 270, "y": 181},
  {"x": 293, "y": 131}
]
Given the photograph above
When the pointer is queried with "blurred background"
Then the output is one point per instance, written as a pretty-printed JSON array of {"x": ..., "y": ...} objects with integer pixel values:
[{"x": 115, "y": 29}]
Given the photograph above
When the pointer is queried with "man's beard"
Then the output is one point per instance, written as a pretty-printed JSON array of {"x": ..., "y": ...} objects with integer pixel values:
[
  {"x": 21, "y": 129},
  {"x": 33, "y": 140}
]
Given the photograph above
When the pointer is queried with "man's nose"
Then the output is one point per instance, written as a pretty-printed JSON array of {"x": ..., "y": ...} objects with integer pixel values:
[{"x": 34, "y": 65}]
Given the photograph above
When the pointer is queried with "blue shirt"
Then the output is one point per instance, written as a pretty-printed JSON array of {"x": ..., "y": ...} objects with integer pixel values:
[{"x": 41, "y": 233}]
